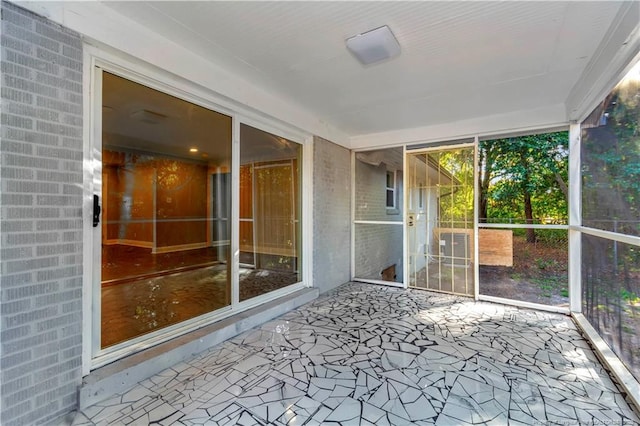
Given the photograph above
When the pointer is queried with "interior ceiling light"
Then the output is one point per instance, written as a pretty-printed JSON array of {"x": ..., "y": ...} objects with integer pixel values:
[
  {"x": 147, "y": 116},
  {"x": 374, "y": 46},
  {"x": 193, "y": 149}
]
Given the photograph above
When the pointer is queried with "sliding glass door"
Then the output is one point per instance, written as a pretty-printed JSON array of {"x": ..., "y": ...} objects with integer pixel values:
[
  {"x": 270, "y": 207},
  {"x": 162, "y": 176},
  {"x": 165, "y": 199}
]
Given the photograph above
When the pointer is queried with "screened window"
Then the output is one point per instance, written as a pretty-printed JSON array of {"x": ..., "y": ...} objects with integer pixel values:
[{"x": 610, "y": 157}]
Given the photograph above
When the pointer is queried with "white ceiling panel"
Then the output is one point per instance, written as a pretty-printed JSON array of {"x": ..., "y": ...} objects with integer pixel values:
[{"x": 459, "y": 60}]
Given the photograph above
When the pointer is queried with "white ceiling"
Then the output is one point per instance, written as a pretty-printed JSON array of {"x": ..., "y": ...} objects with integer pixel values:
[{"x": 459, "y": 60}]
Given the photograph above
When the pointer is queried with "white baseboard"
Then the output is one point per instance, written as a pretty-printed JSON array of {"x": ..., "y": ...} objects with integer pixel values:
[
  {"x": 133, "y": 243},
  {"x": 179, "y": 247}
]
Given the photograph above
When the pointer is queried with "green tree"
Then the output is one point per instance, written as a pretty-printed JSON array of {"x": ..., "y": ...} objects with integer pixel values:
[
  {"x": 524, "y": 176},
  {"x": 611, "y": 161},
  {"x": 456, "y": 199}
]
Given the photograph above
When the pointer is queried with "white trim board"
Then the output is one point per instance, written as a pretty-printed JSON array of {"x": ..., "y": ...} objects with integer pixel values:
[{"x": 622, "y": 375}]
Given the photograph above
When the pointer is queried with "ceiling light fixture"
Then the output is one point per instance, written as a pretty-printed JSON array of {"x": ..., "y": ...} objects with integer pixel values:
[
  {"x": 374, "y": 46},
  {"x": 193, "y": 149},
  {"x": 147, "y": 116}
]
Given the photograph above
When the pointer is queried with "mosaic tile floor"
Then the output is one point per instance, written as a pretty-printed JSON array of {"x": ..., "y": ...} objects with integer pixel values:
[{"x": 373, "y": 355}]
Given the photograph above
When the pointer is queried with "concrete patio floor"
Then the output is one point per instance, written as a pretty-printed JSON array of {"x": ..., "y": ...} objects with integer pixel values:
[{"x": 374, "y": 355}]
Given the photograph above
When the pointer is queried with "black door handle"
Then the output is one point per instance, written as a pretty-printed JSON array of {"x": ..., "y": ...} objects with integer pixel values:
[{"x": 96, "y": 210}]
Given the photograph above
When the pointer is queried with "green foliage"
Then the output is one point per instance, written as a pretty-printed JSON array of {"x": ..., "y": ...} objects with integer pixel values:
[
  {"x": 630, "y": 297},
  {"x": 544, "y": 263},
  {"x": 552, "y": 237},
  {"x": 611, "y": 161},
  {"x": 551, "y": 284},
  {"x": 522, "y": 180},
  {"x": 525, "y": 170},
  {"x": 456, "y": 201}
]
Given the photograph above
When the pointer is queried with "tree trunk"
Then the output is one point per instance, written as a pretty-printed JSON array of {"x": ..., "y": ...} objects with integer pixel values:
[
  {"x": 482, "y": 213},
  {"x": 528, "y": 213},
  {"x": 484, "y": 177},
  {"x": 563, "y": 185}
]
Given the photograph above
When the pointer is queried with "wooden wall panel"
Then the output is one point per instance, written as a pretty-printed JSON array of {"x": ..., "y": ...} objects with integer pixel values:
[
  {"x": 128, "y": 200},
  {"x": 181, "y": 203}
]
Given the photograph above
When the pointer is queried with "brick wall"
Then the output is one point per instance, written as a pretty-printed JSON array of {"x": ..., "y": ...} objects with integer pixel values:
[
  {"x": 376, "y": 246},
  {"x": 41, "y": 239},
  {"x": 332, "y": 215}
]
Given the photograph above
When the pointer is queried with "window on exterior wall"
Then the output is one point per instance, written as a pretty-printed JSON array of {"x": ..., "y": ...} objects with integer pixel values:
[
  {"x": 391, "y": 190},
  {"x": 610, "y": 157}
]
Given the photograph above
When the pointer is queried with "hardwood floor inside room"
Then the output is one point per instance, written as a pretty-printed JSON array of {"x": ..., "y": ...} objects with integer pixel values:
[
  {"x": 143, "y": 292},
  {"x": 121, "y": 262}
]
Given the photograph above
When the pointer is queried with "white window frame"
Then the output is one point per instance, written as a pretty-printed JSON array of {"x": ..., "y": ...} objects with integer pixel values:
[{"x": 393, "y": 188}]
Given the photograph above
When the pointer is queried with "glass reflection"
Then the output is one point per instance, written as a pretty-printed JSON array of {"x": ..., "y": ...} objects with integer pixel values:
[
  {"x": 270, "y": 197},
  {"x": 165, "y": 210}
]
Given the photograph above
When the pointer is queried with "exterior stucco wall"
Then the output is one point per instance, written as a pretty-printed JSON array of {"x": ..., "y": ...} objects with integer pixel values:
[{"x": 41, "y": 205}]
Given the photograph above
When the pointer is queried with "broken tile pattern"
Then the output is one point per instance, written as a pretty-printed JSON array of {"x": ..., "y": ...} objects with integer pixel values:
[{"x": 374, "y": 355}]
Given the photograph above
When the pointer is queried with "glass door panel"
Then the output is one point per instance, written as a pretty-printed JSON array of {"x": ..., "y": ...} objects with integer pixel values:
[
  {"x": 165, "y": 210},
  {"x": 270, "y": 208},
  {"x": 439, "y": 220}
]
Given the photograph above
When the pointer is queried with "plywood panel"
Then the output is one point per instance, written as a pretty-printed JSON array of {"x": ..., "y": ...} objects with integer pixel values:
[{"x": 495, "y": 247}]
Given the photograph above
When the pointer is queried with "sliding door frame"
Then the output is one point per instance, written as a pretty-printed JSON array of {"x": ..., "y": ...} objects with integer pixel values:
[{"x": 97, "y": 60}]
